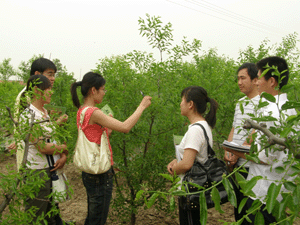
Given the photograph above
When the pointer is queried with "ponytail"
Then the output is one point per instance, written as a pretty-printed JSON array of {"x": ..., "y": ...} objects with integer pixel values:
[
  {"x": 89, "y": 80},
  {"x": 211, "y": 116},
  {"x": 199, "y": 96},
  {"x": 75, "y": 98}
]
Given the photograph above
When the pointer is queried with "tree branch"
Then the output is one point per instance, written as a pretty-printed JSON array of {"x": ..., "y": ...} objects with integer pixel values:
[
  {"x": 8, "y": 197},
  {"x": 11, "y": 117},
  {"x": 272, "y": 139}
]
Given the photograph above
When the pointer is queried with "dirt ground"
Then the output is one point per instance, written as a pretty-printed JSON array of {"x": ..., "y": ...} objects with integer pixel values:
[{"x": 76, "y": 208}]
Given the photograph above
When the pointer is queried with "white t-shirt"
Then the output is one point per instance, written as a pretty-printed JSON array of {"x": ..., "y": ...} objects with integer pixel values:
[
  {"x": 35, "y": 157},
  {"x": 20, "y": 149},
  {"x": 17, "y": 104},
  {"x": 274, "y": 159},
  {"x": 240, "y": 135},
  {"x": 194, "y": 139}
]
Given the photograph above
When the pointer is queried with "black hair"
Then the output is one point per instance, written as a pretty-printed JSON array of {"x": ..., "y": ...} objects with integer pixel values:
[
  {"x": 281, "y": 65},
  {"x": 251, "y": 70},
  {"x": 42, "y": 64},
  {"x": 39, "y": 81},
  {"x": 199, "y": 96},
  {"x": 89, "y": 80}
]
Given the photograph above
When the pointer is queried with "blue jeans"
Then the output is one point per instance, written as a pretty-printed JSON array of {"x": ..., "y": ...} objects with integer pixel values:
[{"x": 99, "y": 191}]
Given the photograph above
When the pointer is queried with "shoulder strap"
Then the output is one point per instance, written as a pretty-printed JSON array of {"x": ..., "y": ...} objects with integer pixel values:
[
  {"x": 210, "y": 151},
  {"x": 50, "y": 158},
  {"x": 82, "y": 114}
]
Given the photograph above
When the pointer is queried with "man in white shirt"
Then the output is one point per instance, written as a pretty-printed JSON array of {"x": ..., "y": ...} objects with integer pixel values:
[
  {"x": 40, "y": 66},
  {"x": 269, "y": 83},
  {"x": 247, "y": 78}
]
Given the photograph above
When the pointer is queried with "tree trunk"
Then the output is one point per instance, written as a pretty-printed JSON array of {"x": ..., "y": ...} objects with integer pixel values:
[{"x": 133, "y": 219}]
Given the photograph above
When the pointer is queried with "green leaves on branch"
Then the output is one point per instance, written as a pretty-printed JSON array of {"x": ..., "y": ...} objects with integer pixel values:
[
  {"x": 215, "y": 196},
  {"x": 259, "y": 218},
  {"x": 173, "y": 179},
  {"x": 203, "y": 208},
  {"x": 268, "y": 96},
  {"x": 230, "y": 192},
  {"x": 158, "y": 36},
  {"x": 6, "y": 70},
  {"x": 151, "y": 201},
  {"x": 273, "y": 193}
]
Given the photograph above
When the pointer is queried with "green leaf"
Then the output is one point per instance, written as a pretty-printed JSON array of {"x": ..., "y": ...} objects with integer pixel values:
[
  {"x": 265, "y": 118},
  {"x": 283, "y": 204},
  {"x": 230, "y": 192},
  {"x": 268, "y": 96},
  {"x": 289, "y": 186},
  {"x": 251, "y": 115},
  {"x": 286, "y": 131},
  {"x": 293, "y": 118},
  {"x": 197, "y": 186},
  {"x": 295, "y": 169},
  {"x": 167, "y": 176},
  {"x": 215, "y": 196},
  {"x": 287, "y": 88},
  {"x": 279, "y": 169},
  {"x": 178, "y": 192},
  {"x": 242, "y": 204},
  {"x": 139, "y": 195},
  {"x": 296, "y": 196},
  {"x": 259, "y": 218},
  {"x": 253, "y": 158},
  {"x": 152, "y": 200},
  {"x": 242, "y": 107},
  {"x": 177, "y": 179},
  {"x": 175, "y": 188},
  {"x": 172, "y": 203},
  {"x": 203, "y": 208},
  {"x": 262, "y": 104},
  {"x": 240, "y": 178},
  {"x": 290, "y": 105},
  {"x": 163, "y": 196},
  {"x": 273, "y": 193},
  {"x": 265, "y": 71},
  {"x": 251, "y": 183}
]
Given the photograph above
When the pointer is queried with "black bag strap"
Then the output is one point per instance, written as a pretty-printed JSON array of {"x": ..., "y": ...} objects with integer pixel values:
[
  {"x": 50, "y": 158},
  {"x": 210, "y": 151}
]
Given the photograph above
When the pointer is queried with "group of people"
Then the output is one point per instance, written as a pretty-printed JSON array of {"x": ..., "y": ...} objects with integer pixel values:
[
  {"x": 195, "y": 104},
  {"x": 270, "y": 82},
  {"x": 193, "y": 145},
  {"x": 31, "y": 101}
]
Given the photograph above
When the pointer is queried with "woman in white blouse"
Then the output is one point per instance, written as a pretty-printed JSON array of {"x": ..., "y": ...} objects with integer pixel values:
[
  {"x": 39, "y": 91},
  {"x": 194, "y": 105}
]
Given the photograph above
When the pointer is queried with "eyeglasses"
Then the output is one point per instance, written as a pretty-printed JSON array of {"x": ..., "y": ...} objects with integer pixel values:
[{"x": 52, "y": 75}]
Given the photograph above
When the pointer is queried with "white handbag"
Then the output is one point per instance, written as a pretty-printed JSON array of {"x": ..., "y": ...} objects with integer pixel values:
[{"x": 89, "y": 156}]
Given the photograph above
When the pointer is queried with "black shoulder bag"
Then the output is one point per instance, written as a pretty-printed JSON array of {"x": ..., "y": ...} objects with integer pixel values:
[{"x": 203, "y": 175}]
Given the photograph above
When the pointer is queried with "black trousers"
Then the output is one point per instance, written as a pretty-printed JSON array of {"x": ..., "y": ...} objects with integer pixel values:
[
  {"x": 269, "y": 218},
  {"x": 42, "y": 202},
  {"x": 184, "y": 217},
  {"x": 239, "y": 198}
]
